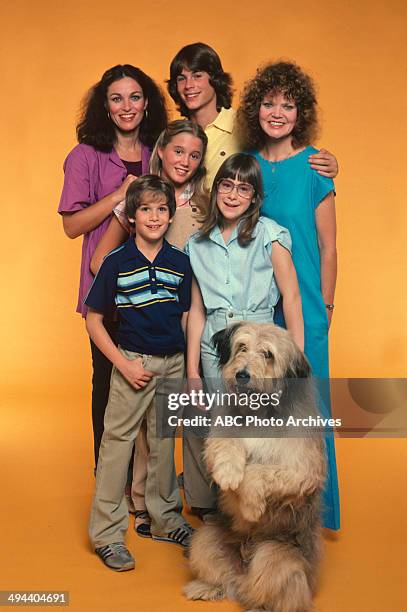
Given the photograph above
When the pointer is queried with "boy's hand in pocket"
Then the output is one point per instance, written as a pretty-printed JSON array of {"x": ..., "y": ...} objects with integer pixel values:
[{"x": 134, "y": 372}]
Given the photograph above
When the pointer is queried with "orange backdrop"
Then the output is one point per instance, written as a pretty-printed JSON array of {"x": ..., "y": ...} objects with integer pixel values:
[{"x": 54, "y": 51}]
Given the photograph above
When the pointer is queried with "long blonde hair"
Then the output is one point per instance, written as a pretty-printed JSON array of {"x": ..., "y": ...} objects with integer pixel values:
[{"x": 201, "y": 194}]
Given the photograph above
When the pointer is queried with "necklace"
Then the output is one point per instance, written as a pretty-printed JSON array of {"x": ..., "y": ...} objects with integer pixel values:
[{"x": 276, "y": 161}]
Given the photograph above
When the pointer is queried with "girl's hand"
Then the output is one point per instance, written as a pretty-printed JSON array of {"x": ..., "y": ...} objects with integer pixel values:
[
  {"x": 324, "y": 163},
  {"x": 120, "y": 193},
  {"x": 134, "y": 372}
]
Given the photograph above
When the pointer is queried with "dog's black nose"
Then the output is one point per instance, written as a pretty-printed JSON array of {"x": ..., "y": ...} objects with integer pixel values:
[{"x": 242, "y": 376}]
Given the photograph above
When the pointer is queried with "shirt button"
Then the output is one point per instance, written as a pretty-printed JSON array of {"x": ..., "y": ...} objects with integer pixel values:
[
  {"x": 223, "y": 153},
  {"x": 230, "y": 315}
]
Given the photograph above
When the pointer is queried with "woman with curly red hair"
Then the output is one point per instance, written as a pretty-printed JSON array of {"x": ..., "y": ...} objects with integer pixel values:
[{"x": 278, "y": 118}]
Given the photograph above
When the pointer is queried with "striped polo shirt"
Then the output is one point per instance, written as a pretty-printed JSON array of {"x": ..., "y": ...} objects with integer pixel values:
[{"x": 150, "y": 297}]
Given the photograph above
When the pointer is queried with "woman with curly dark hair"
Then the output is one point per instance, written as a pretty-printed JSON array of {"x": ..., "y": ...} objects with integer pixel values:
[
  {"x": 123, "y": 114},
  {"x": 278, "y": 117}
]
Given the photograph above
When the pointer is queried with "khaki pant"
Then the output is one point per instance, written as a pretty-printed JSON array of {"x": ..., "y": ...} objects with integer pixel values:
[
  {"x": 124, "y": 414},
  {"x": 199, "y": 490},
  {"x": 198, "y": 486},
  {"x": 138, "y": 486}
]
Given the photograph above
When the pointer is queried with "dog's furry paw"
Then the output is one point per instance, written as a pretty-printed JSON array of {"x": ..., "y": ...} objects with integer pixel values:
[
  {"x": 251, "y": 512},
  {"x": 227, "y": 476},
  {"x": 197, "y": 589},
  {"x": 252, "y": 498}
]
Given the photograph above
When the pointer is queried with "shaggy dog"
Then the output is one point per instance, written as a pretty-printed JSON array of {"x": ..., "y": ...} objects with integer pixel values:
[{"x": 263, "y": 549}]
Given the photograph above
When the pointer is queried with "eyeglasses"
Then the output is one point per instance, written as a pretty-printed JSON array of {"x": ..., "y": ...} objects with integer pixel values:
[{"x": 245, "y": 190}]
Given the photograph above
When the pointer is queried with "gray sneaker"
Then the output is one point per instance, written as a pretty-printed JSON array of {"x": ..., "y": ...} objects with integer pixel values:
[
  {"x": 182, "y": 536},
  {"x": 116, "y": 556}
]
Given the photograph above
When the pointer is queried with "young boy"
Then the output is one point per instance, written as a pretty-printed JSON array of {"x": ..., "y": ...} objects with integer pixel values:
[{"x": 150, "y": 283}]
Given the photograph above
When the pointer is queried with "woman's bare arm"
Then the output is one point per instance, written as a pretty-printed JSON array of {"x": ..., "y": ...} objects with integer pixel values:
[
  {"x": 85, "y": 220},
  {"x": 325, "y": 219}
]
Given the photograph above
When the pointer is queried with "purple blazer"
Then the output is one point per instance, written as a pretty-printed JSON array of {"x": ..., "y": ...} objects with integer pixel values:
[{"x": 90, "y": 175}]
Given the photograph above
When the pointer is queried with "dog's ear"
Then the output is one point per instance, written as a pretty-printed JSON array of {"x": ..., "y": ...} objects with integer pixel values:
[
  {"x": 222, "y": 341},
  {"x": 299, "y": 367}
]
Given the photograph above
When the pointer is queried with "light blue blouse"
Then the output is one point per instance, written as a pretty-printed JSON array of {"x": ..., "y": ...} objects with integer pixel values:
[{"x": 234, "y": 277}]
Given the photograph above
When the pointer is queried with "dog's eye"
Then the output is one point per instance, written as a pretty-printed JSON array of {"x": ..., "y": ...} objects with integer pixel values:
[
  {"x": 242, "y": 348},
  {"x": 268, "y": 355}
]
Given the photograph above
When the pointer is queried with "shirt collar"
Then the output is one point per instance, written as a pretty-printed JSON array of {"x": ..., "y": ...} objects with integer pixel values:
[
  {"x": 145, "y": 158},
  {"x": 224, "y": 121},
  {"x": 216, "y": 236},
  {"x": 186, "y": 195},
  {"x": 133, "y": 251},
  {"x": 114, "y": 157}
]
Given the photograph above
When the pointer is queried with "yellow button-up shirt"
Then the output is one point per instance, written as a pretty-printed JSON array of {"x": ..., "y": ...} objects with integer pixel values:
[{"x": 222, "y": 142}]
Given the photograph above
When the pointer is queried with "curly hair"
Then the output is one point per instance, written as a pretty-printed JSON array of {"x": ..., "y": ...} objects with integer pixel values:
[
  {"x": 245, "y": 168},
  {"x": 197, "y": 182},
  {"x": 95, "y": 128},
  {"x": 200, "y": 57},
  {"x": 279, "y": 77}
]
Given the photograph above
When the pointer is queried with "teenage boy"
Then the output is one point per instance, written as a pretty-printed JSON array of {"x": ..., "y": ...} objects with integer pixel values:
[
  {"x": 149, "y": 281},
  {"x": 202, "y": 91}
]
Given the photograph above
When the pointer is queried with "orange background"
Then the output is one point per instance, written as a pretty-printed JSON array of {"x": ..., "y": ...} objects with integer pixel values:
[{"x": 52, "y": 53}]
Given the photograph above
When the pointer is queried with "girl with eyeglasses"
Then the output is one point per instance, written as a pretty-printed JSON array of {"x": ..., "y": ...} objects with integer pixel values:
[{"x": 241, "y": 263}]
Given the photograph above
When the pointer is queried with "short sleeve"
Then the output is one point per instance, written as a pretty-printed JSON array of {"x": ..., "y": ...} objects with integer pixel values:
[
  {"x": 76, "y": 192},
  {"x": 119, "y": 211},
  {"x": 101, "y": 295},
  {"x": 274, "y": 232},
  {"x": 184, "y": 290},
  {"x": 321, "y": 186}
]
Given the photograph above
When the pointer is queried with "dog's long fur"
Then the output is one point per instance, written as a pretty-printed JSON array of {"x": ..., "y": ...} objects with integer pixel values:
[{"x": 264, "y": 548}]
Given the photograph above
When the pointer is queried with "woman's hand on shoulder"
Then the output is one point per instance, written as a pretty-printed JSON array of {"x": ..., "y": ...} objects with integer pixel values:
[
  {"x": 83, "y": 221},
  {"x": 325, "y": 163},
  {"x": 120, "y": 193}
]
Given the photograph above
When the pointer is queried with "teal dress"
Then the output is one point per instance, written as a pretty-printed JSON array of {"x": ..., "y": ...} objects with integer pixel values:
[{"x": 292, "y": 193}]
